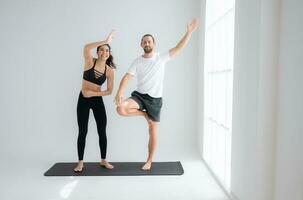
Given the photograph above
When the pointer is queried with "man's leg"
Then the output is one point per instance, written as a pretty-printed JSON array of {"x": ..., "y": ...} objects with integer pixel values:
[
  {"x": 152, "y": 143},
  {"x": 130, "y": 107}
]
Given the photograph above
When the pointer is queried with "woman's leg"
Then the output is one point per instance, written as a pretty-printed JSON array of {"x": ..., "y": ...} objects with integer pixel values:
[
  {"x": 101, "y": 121},
  {"x": 82, "y": 117}
]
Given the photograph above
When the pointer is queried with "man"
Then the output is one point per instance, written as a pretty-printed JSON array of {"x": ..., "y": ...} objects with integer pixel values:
[{"x": 146, "y": 100}]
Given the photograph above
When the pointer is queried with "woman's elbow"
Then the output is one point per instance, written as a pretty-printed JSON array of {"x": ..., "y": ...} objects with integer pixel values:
[{"x": 109, "y": 92}]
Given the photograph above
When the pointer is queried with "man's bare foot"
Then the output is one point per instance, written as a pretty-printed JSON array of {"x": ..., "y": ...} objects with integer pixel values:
[
  {"x": 79, "y": 167},
  {"x": 106, "y": 164},
  {"x": 146, "y": 166}
]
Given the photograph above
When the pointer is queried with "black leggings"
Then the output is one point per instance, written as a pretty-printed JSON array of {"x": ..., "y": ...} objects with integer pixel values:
[{"x": 83, "y": 107}]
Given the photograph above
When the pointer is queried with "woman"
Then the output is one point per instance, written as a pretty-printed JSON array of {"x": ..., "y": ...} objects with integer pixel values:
[{"x": 96, "y": 71}]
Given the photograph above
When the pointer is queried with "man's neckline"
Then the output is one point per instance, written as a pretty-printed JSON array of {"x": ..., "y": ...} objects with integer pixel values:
[{"x": 149, "y": 57}]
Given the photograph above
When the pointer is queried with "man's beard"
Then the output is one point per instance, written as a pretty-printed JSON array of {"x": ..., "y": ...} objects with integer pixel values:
[{"x": 148, "y": 49}]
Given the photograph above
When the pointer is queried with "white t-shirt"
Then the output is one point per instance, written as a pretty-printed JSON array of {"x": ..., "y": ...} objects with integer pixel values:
[{"x": 150, "y": 73}]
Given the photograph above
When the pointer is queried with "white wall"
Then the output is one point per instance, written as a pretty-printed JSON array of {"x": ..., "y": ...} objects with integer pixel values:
[
  {"x": 267, "y": 111},
  {"x": 245, "y": 86},
  {"x": 289, "y": 170},
  {"x": 41, "y": 70},
  {"x": 200, "y": 92},
  {"x": 267, "y": 97},
  {"x": 254, "y": 105}
]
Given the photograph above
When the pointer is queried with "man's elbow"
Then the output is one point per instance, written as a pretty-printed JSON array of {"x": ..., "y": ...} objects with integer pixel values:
[{"x": 173, "y": 52}]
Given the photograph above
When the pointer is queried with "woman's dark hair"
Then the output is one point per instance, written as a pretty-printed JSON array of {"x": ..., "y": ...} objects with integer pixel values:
[{"x": 110, "y": 60}]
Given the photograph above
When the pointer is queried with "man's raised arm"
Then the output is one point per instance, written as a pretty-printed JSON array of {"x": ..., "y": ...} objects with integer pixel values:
[{"x": 191, "y": 27}]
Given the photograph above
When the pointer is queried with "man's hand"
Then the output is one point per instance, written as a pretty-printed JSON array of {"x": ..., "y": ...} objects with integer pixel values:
[
  {"x": 193, "y": 25},
  {"x": 118, "y": 99}
]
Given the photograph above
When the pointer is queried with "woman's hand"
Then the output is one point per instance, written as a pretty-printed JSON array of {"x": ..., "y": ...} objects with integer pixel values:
[
  {"x": 110, "y": 37},
  {"x": 88, "y": 93}
]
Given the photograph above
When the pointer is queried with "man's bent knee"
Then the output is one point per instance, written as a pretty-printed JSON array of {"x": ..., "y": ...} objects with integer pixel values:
[{"x": 121, "y": 110}]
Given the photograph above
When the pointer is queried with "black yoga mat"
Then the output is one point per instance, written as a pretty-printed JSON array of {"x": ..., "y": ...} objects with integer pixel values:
[{"x": 120, "y": 169}]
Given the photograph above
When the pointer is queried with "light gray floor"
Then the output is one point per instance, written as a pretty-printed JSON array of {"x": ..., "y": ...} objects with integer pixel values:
[{"x": 195, "y": 184}]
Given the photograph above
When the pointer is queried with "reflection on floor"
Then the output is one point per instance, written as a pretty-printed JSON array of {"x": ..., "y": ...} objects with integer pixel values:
[{"x": 195, "y": 184}]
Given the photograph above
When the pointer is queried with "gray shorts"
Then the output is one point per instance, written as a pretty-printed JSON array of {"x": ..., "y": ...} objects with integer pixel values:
[{"x": 152, "y": 106}]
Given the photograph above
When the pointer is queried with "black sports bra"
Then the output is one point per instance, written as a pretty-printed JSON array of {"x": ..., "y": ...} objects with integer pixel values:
[{"x": 95, "y": 76}]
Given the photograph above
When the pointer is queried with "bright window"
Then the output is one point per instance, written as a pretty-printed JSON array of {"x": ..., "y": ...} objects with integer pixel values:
[{"x": 218, "y": 87}]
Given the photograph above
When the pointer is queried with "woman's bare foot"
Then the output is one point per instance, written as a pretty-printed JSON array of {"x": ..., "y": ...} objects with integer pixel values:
[
  {"x": 146, "y": 166},
  {"x": 79, "y": 167},
  {"x": 106, "y": 164}
]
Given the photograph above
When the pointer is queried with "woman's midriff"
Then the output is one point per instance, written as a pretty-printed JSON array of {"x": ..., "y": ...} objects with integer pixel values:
[{"x": 86, "y": 85}]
